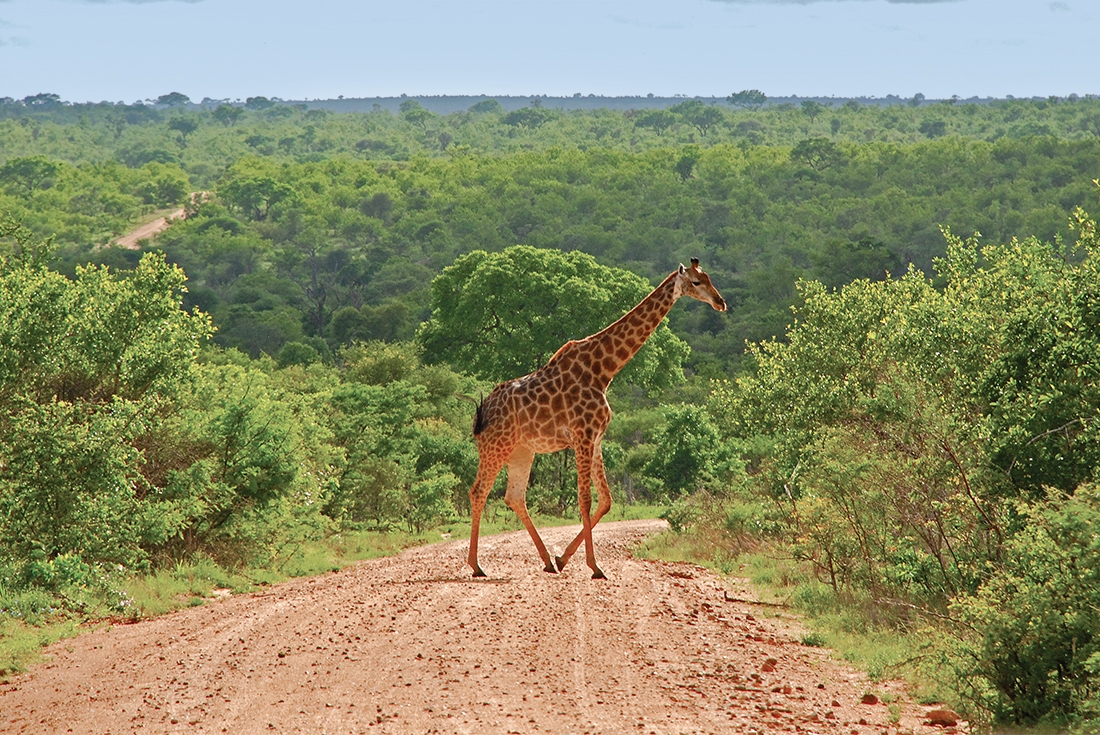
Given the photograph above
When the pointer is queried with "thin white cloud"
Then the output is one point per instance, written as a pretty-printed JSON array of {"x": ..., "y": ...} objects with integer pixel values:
[{"x": 1056, "y": 7}]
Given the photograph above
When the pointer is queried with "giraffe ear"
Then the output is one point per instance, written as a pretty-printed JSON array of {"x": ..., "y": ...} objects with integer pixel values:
[{"x": 682, "y": 269}]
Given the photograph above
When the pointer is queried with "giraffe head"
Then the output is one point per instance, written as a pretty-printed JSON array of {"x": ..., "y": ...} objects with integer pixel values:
[{"x": 693, "y": 282}]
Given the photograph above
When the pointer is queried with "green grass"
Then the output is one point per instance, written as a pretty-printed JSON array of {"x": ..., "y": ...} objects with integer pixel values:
[
  {"x": 21, "y": 643},
  {"x": 678, "y": 547},
  {"x": 186, "y": 584},
  {"x": 878, "y": 642}
]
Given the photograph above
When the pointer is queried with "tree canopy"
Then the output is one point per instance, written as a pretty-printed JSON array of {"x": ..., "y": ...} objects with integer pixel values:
[{"x": 503, "y": 315}]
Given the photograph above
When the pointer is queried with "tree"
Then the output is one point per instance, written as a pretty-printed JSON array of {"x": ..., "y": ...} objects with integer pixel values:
[
  {"x": 402, "y": 464},
  {"x": 184, "y": 126},
  {"x": 502, "y": 315},
  {"x": 841, "y": 261},
  {"x": 255, "y": 195},
  {"x": 45, "y": 100},
  {"x": 817, "y": 153},
  {"x": 227, "y": 114},
  {"x": 166, "y": 185},
  {"x": 1038, "y": 639},
  {"x": 316, "y": 264},
  {"x": 258, "y": 103},
  {"x": 750, "y": 98},
  {"x": 297, "y": 353},
  {"x": 686, "y": 165},
  {"x": 658, "y": 120},
  {"x": 933, "y": 128},
  {"x": 868, "y": 440},
  {"x": 174, "y": 99},
  {"x": 706, "y": 118},
  {"x": 529, "y": 117},
  {"x": 687, "y": 108},
  {"x": 89, "y": 366},
  {"x": 936, "y": 442},
  {"x": 29, "y": 173},
  {"x": 688, "y": 453},
  {"x": 698, "y": 114},
  {"x": 812, "y": 108},
  {"x": 413, "y": 112},
  {"x": 487, "y": 107},
  {"x": 1039, "y": 382}
]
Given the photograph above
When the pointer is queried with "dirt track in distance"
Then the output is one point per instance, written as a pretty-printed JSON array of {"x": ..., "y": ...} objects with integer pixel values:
[
  {"x": 411, "y": 644},
  {"x": 130, "y": 240}
]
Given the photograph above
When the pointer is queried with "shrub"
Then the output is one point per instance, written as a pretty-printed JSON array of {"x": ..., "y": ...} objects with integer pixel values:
[{"x": 1036, "y": 622}]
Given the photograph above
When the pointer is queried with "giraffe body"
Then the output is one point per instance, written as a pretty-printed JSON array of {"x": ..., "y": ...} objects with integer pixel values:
[{"x": 564, "y": 405}]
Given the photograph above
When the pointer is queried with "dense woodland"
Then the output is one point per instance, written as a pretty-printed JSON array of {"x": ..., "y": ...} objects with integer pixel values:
[{"x": 908, "y": 413}]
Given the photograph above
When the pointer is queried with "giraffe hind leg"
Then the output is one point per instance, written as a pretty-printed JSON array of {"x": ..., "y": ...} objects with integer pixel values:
[
  {"x": 487, "y": 471},
  {"x": 519, "y": 472}
]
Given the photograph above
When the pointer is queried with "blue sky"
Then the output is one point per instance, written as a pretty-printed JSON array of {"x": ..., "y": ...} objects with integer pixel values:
[{"x": 128, "y": 50}]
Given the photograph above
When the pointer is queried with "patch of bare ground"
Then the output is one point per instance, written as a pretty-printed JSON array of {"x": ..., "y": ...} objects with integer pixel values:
[
  {"x": 412, "y": 644},
  {"x": 132, "y": 240}
]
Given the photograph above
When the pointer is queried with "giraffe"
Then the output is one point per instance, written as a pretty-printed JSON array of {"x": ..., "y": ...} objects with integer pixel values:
[{"x": 564, "y": 405}]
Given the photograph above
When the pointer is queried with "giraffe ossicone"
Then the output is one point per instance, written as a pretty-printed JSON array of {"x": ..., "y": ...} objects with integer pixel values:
[{"x": 563, "y": 405}]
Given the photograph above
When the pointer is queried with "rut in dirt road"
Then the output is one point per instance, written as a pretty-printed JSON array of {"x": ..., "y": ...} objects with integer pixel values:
[{"x": 411, "y": 644}]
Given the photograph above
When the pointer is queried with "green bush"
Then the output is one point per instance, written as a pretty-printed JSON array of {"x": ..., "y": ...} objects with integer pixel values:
[
  {"x": 926, "y": 449},
  {"x": 1036, "y": 622}
]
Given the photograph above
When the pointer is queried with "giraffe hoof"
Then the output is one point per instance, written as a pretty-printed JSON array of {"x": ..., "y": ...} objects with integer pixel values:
[
  {"x": 479, "y": 573},
  {"x": 550, "y": 568},
  {"x": 559, "y": 562},
  {"x": 598, "y": 575}
]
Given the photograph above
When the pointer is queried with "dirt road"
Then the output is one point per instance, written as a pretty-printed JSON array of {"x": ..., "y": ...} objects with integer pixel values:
[
  {"x": 411, "y": 644},
  {"x": 148, "y": 230}
]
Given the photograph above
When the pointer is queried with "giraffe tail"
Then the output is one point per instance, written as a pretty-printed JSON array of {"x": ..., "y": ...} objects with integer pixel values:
[{"x": 479, "y": 417}]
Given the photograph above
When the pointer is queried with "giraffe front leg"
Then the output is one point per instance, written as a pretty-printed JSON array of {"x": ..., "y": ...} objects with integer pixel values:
[
  {"x": 584, "y": 500},
  {"x": 603, "y": 492}
]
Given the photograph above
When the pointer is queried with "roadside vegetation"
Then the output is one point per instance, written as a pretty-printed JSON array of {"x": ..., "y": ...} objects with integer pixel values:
[{"x": 894, "y": 429}]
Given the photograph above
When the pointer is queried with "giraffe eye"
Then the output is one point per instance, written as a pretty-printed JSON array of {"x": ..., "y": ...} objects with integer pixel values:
[{"x": 695, "y": 283}]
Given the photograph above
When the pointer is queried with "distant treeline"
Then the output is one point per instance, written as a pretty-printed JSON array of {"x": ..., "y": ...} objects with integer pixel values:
[{"x": 447, "y": 104}]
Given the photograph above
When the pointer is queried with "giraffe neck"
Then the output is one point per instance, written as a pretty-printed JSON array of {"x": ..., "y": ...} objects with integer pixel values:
[{"x": 613, "y": 346}]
